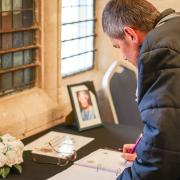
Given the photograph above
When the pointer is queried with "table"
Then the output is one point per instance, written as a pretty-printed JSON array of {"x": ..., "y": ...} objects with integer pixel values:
[{"x": 106, "y": 136}]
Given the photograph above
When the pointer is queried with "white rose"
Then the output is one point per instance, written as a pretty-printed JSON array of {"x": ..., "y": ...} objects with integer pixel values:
[
  {"x": 11, "y": 158},
  {"x": 3, "y": 160},
  {"x": 12, "y": 149},
  {"x": 3, "y": 148},
  {"x": 7, "y": 138},
  {"x": 20, "y": 145}
]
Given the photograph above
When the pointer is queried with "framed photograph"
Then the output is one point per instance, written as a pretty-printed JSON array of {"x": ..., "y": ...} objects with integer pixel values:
[{"x": 84, "y": 105}]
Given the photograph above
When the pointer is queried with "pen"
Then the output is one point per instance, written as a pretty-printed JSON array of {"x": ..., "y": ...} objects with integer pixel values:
[{"x": 137, "y": 142}]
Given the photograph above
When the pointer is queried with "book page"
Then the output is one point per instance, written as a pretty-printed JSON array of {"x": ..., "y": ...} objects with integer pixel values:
[
  {"x": 41, "y": 145},
  {"x": 106, "y": 160},
  {"x": 83, "y": 173}
]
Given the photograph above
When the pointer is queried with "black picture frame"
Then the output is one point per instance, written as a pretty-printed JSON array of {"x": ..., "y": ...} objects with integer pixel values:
[{"x": 85, "y": 107}]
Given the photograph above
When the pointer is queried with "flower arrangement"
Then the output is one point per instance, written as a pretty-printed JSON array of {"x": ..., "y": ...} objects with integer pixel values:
[{"x": 11, "y": 154}]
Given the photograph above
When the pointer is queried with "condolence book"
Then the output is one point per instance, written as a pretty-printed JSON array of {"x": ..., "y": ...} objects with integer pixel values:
[{"x": 101, "y": 164}]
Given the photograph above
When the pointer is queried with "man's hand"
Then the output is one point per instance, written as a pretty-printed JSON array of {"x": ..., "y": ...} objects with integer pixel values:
[{"x": 126, "y": 152}]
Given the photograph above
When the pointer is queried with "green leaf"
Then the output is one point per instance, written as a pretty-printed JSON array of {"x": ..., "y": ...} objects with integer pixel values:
[
  {"x": 26, "y": 154},
  {"x": 1, "y": 139},
  {"x": 18, "y": 168},
  {"x": 4, "y": 171}
]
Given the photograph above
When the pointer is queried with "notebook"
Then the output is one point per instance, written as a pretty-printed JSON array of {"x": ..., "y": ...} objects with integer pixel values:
[{"x": 101, "y": 164}]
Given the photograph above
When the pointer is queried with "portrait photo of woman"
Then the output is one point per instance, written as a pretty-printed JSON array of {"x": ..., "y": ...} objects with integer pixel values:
[{"x": 86, "y": 107}]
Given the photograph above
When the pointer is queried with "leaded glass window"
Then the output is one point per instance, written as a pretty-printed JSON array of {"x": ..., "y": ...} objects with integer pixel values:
[
  {"x": 77, "y": 45},
  {"x": 18, "y": 45}
]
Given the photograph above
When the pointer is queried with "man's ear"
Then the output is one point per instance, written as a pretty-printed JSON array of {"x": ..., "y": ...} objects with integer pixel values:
[{"x": 131, "y": 34}]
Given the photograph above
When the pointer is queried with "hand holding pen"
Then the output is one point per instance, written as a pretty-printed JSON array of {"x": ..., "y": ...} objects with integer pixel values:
[{"x": 129, "y": 150}]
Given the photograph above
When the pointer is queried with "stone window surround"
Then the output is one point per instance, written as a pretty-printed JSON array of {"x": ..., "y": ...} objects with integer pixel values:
[{"x": 30, "y": 111}]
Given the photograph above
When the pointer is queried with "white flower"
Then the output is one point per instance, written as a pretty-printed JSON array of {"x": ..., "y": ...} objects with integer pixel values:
[
  {"x": 3, "y": 148},
  {"x": 3, "y": 160},
  {"x": 7, "y": 138},
  {"x": 11, "y": 151}
]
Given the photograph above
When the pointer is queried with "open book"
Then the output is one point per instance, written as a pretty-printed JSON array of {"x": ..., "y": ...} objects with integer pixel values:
[{"x": 101, "y": 164}]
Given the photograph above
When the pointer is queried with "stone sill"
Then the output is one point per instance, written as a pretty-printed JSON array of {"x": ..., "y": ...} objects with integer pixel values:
[{"x": 28, "y": 112}]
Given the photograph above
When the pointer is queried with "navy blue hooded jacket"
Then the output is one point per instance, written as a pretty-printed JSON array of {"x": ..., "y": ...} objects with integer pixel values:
[{"x": 158, "y": 153}]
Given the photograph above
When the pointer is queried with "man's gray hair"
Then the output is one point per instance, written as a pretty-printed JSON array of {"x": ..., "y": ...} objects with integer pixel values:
[{"x": 138, "y": 14}]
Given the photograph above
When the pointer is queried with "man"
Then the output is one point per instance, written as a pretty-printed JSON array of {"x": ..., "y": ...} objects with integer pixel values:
[{"x": 151, "y": 41}]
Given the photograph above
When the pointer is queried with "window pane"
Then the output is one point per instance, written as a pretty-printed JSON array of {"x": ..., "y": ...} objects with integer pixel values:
[
  {"x": 66, "y": 15},
  {"x": 28, "y": 75},
  {"x": 17, "y": 4},
  {"x": 7, "y": 61},
  {"x": 88, "y": 59},
  {"x": 90, "y": 12},
  {"x": 17, "y": 39},
  {"x": 74, "y": 2},
  {"x": 70, "y": 48},
  {"x": 6, "y": 20},
  {"x": 90, "y": 2},
  {"x": 74, "y": 14},
  {"x": 70, "y": 31},
  {"x": 18, "y": 59},
  {"x": 17, "y": 19},
  {"x": 86, "y": 44},
  {"x": 83, "y": 14},
  {"x": 6, "y": 5},
  {"x": 90, "y": 27},
  {"x": 6, "y": 82},
  {"x": 7, "y": 41},
  {"x": 89, "y": 43},
  {"x": 27, "y": 4},
  {"x": 28, "y": 56},
  {"x": 82, "y": 2},
  {"x": 27, "y": 18},
  {"x": 28, "y": 38},
  {"x": 82, "y": 28},
  {"x": 18, "y": 78},
  {"x": 69, "y": 66}
]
